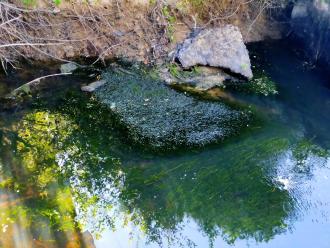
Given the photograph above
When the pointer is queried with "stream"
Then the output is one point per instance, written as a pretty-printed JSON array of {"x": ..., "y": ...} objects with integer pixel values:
[{"x": 70, "y": 178}]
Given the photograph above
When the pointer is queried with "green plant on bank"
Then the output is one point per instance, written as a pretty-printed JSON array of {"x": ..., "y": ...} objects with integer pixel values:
[
  {"x": 171, "y": 19},
  {"x": 176, "y": 71},
  {"x": 33, "y": 2},
  {"x": 152, "y": 2}
]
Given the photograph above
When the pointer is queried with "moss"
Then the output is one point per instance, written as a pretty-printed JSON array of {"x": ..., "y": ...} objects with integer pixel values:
[
  {"x": 177, "y": 72},
  {"x": 261, "y": 84}
]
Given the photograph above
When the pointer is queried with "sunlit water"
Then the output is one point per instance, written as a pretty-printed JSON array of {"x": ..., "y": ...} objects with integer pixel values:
[{"x": 65, "y": 169}]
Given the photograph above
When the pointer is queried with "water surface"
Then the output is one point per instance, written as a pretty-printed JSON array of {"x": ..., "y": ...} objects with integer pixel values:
[{"x": 67, "y": 172}]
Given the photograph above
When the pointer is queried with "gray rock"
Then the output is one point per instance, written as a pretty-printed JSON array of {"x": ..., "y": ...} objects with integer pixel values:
[
  {"x": 68, "y": 67},
  {"x": 159, "y": 116},
  {"x": 219, "y": 47},
  {"x": 93, "y": 86},
  {"x": 310, "y": 23}
]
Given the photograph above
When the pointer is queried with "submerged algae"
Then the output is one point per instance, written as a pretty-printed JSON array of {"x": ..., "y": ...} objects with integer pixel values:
[{"x": 159, "y": 116}]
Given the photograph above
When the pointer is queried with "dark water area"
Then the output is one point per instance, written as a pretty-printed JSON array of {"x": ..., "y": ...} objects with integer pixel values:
[{"x": 70, "y": 178}]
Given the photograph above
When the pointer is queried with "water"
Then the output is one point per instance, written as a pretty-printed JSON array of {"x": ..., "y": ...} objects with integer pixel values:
[{"x": 65, "y": 169}]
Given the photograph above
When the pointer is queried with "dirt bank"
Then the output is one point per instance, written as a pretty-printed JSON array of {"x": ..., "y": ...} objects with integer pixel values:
[{"x": 136, "y": 29}]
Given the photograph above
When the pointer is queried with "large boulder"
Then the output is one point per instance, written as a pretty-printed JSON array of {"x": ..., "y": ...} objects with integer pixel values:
[
  {"x": 219, "y": 47},
  {"x": 159, "y": 116}
]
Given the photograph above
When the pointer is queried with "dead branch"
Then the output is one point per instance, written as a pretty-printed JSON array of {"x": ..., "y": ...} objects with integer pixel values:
[{"x": 34, "y": 82}]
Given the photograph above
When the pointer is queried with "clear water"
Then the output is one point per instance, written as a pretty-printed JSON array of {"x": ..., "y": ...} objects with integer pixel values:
[{"x": 65, "y": 169}]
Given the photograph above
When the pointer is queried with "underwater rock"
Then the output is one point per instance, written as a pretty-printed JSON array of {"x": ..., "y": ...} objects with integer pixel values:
[
  {"x": 202, "y": 79},
  {"x": 218, "y": 47},
  {"x": 156, "y": 115}
]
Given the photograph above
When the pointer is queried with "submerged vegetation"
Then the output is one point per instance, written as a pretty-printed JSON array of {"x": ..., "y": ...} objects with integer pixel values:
[
  {"x": 52, "y": 157},
  {"x": 261, "y": 84}
]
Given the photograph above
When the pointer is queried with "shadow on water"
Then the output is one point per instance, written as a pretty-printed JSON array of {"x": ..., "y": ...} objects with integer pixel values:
[{"x": 64, "y": 169}]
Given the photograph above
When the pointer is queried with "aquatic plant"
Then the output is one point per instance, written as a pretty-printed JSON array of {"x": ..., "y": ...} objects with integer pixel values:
[
  {"x": 82, "y": 174},
  {"x": 260, "y": 84},
  {"x": 73, "y": 153}
]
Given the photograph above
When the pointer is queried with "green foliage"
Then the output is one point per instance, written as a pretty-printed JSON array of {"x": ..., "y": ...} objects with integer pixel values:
[
  {"x": 152, "y": 2},
  {"x": 29, "y": 2},
  {"x": 33, "y": 2},
  {"x": 174, "y": 70},
  {"x": 177, "y": 72},
  {"x": 171, "y": 19}
]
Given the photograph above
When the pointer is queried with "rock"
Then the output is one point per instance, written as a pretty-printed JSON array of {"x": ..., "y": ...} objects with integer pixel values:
[
  {"x": 158, "y": 116},
  {"x": 310, "y": 23},
  {"x": 219, "y": 47},
  {"x": 204, "y": 79},
  {"x": 68, "y": 67},
  {"x": 93, "y": 86}
]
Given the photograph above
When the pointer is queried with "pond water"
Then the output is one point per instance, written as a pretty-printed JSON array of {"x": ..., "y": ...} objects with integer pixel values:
[{"x": 70, "y": 178}]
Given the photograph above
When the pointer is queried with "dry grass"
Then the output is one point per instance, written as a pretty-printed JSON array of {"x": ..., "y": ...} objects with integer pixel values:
[{"x": 227, "y": 11}]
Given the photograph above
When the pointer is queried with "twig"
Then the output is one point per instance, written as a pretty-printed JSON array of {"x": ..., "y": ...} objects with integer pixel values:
[
  {"x": 47, "y": 76},
  {"x": 38, "y": 80},
  {"x": 9, "y": 21},
  {"x": 30, "y": 44},
  {"x": 104, "y": 52}
]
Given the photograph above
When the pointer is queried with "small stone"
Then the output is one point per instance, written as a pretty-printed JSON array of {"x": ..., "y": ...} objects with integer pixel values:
[
  {"x": 68, "y": 67},
  {"x": 93, "y": 86}
]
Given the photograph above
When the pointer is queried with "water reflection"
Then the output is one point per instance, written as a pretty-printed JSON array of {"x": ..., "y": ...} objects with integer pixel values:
[
  {"x": 65, "y": 170},
  {"x": 36, "y": 201}
]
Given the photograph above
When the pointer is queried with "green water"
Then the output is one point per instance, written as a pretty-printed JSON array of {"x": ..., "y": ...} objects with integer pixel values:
[{"x": 65, "y": 169}]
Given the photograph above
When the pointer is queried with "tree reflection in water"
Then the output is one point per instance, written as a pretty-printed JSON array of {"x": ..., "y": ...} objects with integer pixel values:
[{"x": 67, "y": 168}]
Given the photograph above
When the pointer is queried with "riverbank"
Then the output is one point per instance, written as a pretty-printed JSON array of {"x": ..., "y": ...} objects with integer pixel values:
[{"x": 145, "y": 31}]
